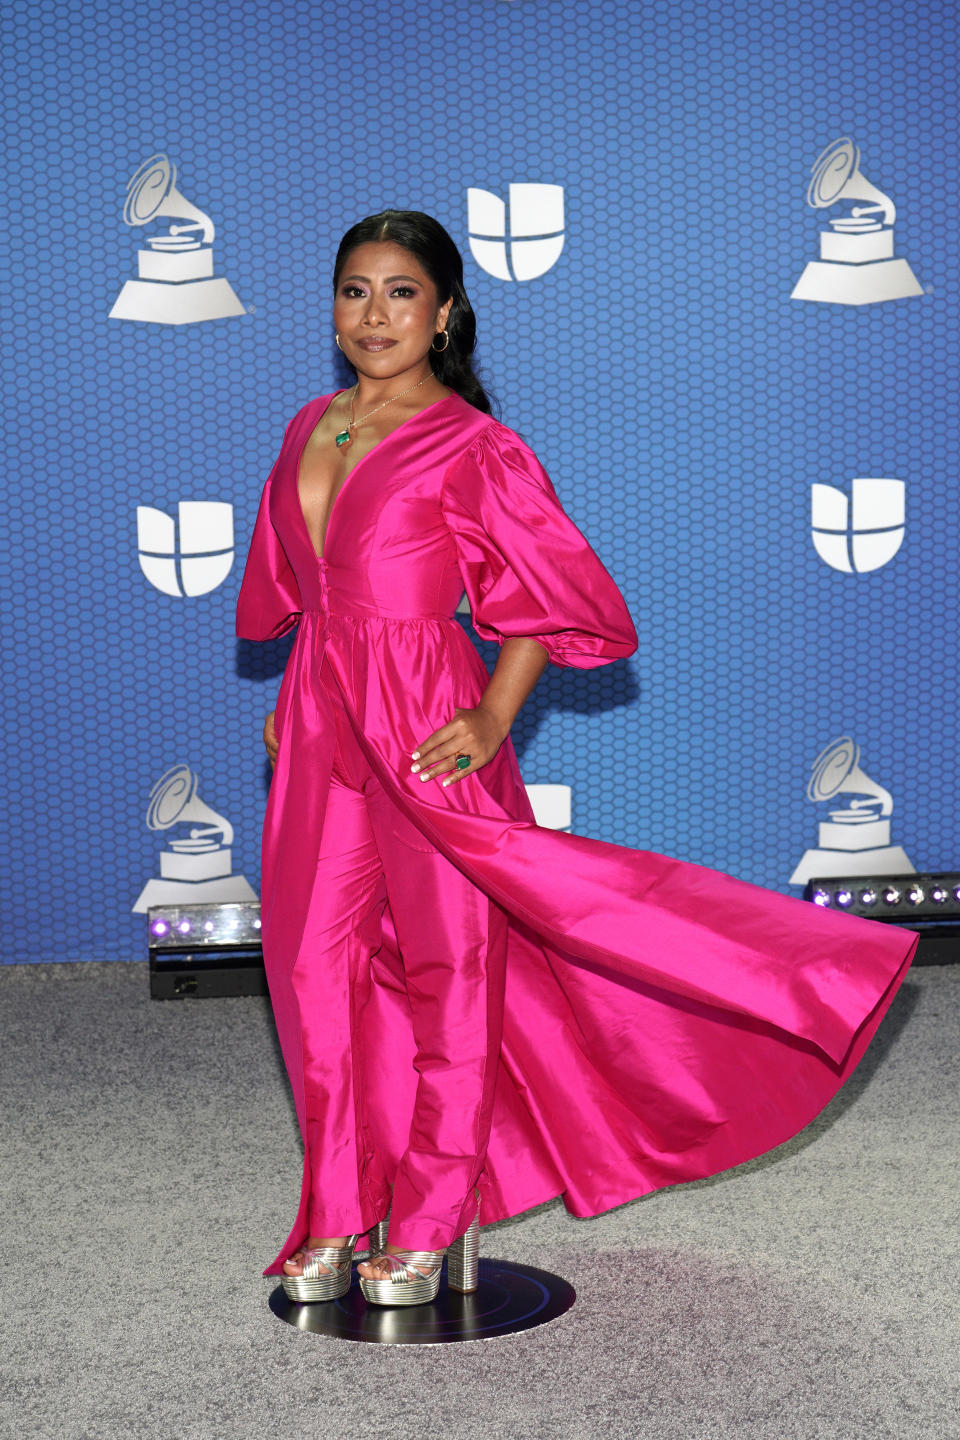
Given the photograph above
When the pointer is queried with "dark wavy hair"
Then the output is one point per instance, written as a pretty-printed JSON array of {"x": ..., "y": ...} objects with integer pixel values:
[{"x": 426, "y": 238}]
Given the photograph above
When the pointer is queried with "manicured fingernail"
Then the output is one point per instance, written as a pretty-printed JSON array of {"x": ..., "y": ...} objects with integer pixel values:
[
  {"x": 415, "y": 754},
  {"x": 414, "y": 768},
  {"x": 424, "y": 777},
  {"x": 446, "y": 782}
]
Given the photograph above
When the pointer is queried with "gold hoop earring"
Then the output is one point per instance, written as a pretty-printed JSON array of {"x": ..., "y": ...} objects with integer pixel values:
[
  {"x": 337, "y": 338},
  {"x": 439, "y": 349}
]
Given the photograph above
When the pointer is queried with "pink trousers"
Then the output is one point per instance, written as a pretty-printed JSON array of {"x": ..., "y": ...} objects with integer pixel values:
[{"x": 362, "y": 1139}]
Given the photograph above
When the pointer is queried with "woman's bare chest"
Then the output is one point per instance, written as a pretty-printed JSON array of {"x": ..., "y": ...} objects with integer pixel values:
[
  {"x": 383, "y": 484},
  {"x": 326, "y": 465},
  {"x": 322, "y": 473}
]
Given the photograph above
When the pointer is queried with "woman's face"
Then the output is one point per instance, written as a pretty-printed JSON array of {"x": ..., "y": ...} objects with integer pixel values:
[{"x": 386, "y": 310}]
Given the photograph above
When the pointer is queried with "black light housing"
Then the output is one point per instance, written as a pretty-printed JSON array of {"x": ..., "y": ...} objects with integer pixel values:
[
  {"x": 928, "y": 903},
  {"x": 205, "y": 950}
]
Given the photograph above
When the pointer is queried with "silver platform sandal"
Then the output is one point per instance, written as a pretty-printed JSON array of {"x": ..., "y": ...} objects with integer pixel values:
[
  {"x": 316, "y": 1283},
  {"x": 330, "y": 1283},
  {"x": 403, "y": 1285}
]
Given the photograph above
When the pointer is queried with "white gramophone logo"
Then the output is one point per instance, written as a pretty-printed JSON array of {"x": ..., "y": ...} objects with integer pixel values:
[
  {"x": 176, "y": 284},
  {"x": 860, "y": 532},
  {"x": 203, "y": 558},
  {"x": 857, "y": 264},
  {"x": 522, "y": 244},
  {"x": 855, "y": 840},
  {"x": 196, "y": 863}
]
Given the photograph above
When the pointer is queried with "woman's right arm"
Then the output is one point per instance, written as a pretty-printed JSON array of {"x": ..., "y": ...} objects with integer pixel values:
[{"x": 270, "y": 737}]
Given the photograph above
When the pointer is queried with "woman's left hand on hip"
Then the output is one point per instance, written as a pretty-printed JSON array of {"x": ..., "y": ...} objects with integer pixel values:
[{"x": 477, "y": 733}]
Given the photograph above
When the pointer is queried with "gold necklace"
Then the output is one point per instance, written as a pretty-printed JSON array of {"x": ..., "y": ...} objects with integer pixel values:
[{"x": 345, "y": 436}]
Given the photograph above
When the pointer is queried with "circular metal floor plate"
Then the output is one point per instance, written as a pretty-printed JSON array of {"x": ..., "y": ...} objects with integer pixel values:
[{"x": 509, "y": 1298}]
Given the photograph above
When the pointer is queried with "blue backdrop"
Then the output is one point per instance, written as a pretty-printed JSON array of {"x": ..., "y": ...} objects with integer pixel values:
[{"x": 684, "y": 401}]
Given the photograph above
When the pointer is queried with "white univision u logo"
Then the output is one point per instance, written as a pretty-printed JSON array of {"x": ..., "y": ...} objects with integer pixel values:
[
  {"x": 189, "y": 556},
  {"x": 521, "y": 244},
  {"x": 860, "y": 533}
]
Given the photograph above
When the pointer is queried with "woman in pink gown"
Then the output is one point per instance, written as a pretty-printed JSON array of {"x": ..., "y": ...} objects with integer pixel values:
[{"x": 470, "y": 1005}]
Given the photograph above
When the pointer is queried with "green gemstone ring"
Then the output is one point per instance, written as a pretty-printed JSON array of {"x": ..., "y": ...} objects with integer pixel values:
[{"x": 463, "y": 762}]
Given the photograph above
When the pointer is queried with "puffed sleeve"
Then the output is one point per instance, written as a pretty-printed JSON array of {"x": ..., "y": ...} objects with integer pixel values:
[
  {"x": 526, "y": 568},
  {"x": 269, "y": 602}
]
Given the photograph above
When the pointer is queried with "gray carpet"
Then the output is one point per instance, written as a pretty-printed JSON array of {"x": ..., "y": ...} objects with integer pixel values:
[{"x": 151, "y": 1166}]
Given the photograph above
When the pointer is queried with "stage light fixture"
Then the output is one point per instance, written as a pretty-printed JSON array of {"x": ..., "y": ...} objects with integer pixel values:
[
  {"x": 928, "y": 904},
  {"x": 205, "y": 949}
]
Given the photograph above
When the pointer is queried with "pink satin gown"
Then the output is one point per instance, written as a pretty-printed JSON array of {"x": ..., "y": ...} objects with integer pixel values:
[{"x": 661, "y": 1021}]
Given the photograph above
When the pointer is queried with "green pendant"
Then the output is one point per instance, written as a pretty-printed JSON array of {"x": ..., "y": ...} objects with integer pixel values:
[{"x": 343, "y": 437}]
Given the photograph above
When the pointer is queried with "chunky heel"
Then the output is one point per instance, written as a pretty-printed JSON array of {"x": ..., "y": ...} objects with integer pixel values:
[
  {"x": 378, "y": 1237},
  {"x": 376, "y": 1240},
  {"x": 463, "y": 1260}
]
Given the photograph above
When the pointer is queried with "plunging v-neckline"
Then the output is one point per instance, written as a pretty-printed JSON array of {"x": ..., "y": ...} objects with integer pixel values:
[{"x": 350, "y": 473}]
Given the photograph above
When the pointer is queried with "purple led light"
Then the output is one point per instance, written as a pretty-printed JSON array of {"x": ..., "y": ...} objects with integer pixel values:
[{"x": 160, "y": 927}]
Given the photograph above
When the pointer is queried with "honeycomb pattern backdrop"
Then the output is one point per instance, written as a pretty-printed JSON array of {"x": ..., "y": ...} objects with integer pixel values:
[{"x": 682, "y": 402}]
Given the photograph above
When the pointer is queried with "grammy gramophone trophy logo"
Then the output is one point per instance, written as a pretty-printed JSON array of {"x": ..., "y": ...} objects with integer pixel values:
[
  {"x": 176, "y": 284},
  {"x": 857, "y": 265},
  {"x": 855, "y": 839},
  {"x": 196, "y": 863}
]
